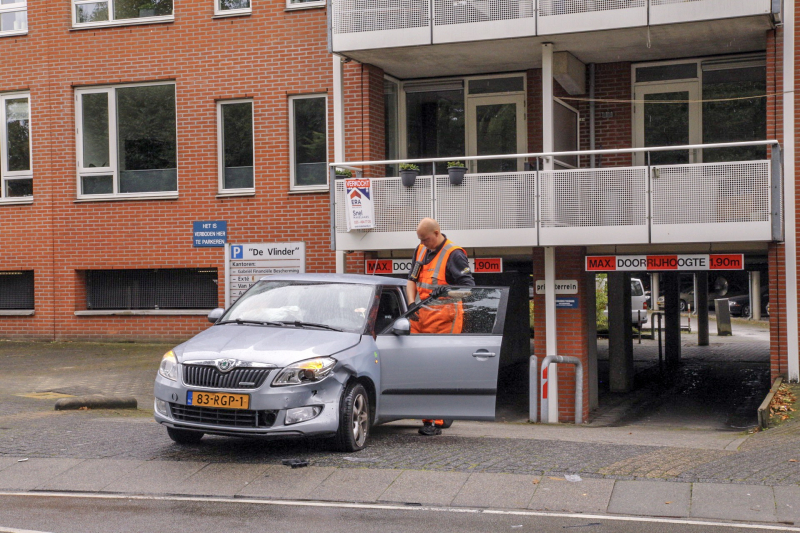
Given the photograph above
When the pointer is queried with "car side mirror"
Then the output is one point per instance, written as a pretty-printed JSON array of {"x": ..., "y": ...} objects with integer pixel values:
[
  {"x": 401, "y": 326},
  {"x": 214, "y": 315}
]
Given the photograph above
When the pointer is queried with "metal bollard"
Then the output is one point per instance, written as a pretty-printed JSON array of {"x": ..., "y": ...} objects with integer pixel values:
[
  {"x": 545, "y": 405},
  {"x": 533, "y": 390}
]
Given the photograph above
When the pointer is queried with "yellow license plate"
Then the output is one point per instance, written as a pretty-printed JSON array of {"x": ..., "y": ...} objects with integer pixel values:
[{"x": 222, "y": 400}]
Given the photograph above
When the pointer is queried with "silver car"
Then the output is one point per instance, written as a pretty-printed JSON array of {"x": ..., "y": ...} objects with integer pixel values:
[{"x": 330, "y": 355}]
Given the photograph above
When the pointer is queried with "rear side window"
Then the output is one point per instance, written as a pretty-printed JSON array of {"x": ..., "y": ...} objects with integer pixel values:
[{"x": 636, "y": 288}]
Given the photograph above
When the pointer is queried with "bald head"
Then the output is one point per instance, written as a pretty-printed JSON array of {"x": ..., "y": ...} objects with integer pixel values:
[{"x": 429, "y": 233}]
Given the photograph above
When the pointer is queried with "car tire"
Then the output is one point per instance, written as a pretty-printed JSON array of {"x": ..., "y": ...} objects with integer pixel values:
[
  {"x": 447, "y": 423},
  {"x": 683, "y": 306},
  {"x": 184, "y": 436},
  {"x": 354, "y": 419},
  {"x": 746, "y": 311}
]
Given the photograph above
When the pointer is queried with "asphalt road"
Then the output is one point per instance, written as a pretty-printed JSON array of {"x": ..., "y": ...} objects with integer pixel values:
[{"x": 126, "y": 515}]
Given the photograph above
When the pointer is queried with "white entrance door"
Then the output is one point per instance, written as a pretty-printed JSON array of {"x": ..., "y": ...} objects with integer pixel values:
[
  {"x": 668, "y": 114},
  {"x": 496, "y": 125}
]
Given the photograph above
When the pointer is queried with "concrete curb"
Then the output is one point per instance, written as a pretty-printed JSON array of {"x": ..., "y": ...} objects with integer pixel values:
[
  {"x": 763, "y": 409},
  {"x": 96, "y": 402}
]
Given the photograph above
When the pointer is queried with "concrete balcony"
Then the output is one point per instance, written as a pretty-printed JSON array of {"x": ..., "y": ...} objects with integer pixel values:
[
  {"x": 661, "y": 204},
  {"x": 381, "y": 24}
]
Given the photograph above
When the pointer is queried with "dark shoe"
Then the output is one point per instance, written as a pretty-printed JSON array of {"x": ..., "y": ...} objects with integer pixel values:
[{"x": 429, "y": 430}]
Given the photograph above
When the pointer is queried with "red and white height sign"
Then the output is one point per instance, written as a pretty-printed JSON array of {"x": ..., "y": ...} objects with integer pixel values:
[
  {"x": 480, "y": 265},
  {"x": 661, "y": 263}
]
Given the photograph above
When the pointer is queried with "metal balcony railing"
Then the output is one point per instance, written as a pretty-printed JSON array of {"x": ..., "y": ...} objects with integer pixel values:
[
  {"x": 374, "y": 24},
  {"x": 690, "y": 203}
]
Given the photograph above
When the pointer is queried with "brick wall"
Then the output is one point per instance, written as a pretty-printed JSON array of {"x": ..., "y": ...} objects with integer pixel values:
[
  {"x": 209, "y": 60},
  {"x": 570, "y": 327}
]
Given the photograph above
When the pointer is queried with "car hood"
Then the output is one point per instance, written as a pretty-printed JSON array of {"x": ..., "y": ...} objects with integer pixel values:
[{"x": 279, "y": 346}]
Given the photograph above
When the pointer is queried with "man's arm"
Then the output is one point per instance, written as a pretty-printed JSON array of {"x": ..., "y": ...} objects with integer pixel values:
[
  {"x": 458, "y": 271},
  {"x": 411, "y": 292}
]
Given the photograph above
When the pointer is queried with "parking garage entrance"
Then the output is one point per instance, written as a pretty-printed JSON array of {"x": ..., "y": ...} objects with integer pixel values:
[{"x": 702, "y": 359}]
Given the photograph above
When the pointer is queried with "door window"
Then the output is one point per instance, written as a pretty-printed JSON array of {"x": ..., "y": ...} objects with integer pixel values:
[
  {"x": 497, "y": 127},
  {"x": 668, "y": 114},
  {"x": 389, "y": 310},
  {"x": 459, "y": 310}
]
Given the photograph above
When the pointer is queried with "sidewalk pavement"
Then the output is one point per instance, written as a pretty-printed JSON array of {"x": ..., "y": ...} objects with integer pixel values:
[{"x": 739, "y": 503}]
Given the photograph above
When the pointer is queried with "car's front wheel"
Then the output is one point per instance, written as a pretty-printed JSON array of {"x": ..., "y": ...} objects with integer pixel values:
[
  {"x": 354, "y": 419},
  {"x": 746, "y": 311},
  {"x": 183, "y": 436}
]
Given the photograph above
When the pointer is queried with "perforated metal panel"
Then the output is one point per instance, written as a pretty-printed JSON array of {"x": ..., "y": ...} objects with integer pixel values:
[
  {"x": 354, "y": 16},
  {"x": 468, "y": 11},
  {"x": 487, "y": 201},
  {"x": 397, "y": 208},
  {"x": 569, "y": 7},
  {"x": 665, "y": 2},
  {"x": 593, "y": 198},
  {"x": 711, "y": 193}
]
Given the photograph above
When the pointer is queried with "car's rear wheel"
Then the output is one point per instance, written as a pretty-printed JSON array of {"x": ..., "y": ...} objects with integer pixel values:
[
  {"x": 746, "y": 311},
  {"x": 184, "y": 436},
  {"x": 683, "y": 306},
  {"x": 354, "y": 419}
]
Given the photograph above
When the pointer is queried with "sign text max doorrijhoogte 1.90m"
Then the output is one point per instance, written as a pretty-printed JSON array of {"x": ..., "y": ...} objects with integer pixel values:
[{"x": 661, "y": 263}]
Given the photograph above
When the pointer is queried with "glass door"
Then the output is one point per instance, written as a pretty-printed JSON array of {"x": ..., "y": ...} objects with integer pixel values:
[
  {"x": 668, "y": 114},
  {"x": 496, "y": 125}
]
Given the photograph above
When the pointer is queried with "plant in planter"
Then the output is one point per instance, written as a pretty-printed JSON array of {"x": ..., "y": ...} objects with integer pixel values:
[
  {"x": 408, "y": 174},
  {"x": 147, "y": 9},
  {"x": 344, "y": 173},
  {"x": 456, "y": 171}
]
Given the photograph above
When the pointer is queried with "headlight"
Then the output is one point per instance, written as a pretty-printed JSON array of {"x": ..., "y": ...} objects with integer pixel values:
[
  {"x": 307, "y": 371},
  {"x": 169, "y": 366}
]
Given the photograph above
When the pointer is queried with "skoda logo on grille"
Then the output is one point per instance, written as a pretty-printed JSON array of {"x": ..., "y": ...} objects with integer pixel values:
[{"x": 225, "y": 365}]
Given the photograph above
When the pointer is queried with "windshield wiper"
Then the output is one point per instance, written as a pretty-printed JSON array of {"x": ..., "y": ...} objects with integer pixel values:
[
  {"x": 256, "y": 322},
  {"x": 299, "y": 324}
]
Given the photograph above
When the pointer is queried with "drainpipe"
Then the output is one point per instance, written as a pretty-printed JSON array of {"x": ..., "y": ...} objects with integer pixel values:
[
  {"x": 338, "y": 137},
  {"x": 548, "y": 145},
  {"x": 792, "y": 347},
  {"x": 592, "y": 111}
]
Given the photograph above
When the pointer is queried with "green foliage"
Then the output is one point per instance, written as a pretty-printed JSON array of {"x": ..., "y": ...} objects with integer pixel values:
[
  {"x": 601, "y": 302},
  {"x": 346, "y": 172},
  {"x": 530, "y": 308},
  {"x": 409, "y": 166},
  {"x": 451, "y": 164}
]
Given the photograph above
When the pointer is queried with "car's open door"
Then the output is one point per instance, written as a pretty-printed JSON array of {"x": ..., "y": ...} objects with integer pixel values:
[{"x": 451, "y": 373}]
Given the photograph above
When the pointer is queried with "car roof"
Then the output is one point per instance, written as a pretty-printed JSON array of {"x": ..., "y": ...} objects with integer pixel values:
[{"x": 360, "y": 279}]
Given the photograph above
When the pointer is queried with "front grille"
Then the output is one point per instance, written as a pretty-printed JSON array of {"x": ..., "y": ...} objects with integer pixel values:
[
  {"x": 209, "y": 376},
  {"x": 238, "y": 418}
]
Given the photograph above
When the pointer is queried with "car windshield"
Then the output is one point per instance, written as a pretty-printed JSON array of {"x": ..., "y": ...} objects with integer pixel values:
[{"x": 342, "y": 306}]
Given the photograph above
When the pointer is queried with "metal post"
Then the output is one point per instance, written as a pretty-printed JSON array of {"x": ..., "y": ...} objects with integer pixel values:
[
  {"x": 639, "y": 324},
  {"x": 533, "y": 390},
  {"x": 551, "y": 333}
]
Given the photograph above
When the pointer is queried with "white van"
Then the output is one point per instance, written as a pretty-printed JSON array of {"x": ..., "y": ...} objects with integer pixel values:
[{"x": 638, "y": 303}]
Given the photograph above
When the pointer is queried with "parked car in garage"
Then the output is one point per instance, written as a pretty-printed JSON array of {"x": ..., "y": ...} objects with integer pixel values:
[
  {"x": 329, "y": 355},
  {"x": 740, "y": 305},
  {"x": 639, "y": 305},
  {"x": 721, "y": 288}
]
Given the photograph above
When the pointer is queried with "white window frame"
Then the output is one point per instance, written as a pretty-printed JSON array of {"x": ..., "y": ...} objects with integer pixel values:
[
  {"x": 220, "y": 148},
  {"x": 219, "y": 12},
  {"x": 4, "y": 172},
  {"x": 292, "y": 178},
  {"x": 305, "y": 5},
  {"x": 112, "y": 21},
  {"x": 113, "y": 159},
  {"x": 13, "y": 8}
]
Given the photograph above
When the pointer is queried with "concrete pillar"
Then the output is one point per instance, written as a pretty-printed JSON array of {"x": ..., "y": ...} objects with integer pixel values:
[
  {"x": 620, "y": 337},
  {"x": 591, "y": 338},
  {"x": 338, "y": 133},
  {"x": 551, "y": 330},
  {"x": 755, "y": 295},
  {"x": 701, "y": 295},
  {"x": 672, "y": 319},
  {"x": 655, "y": 290},
  {"x": 548, "y": 137}
]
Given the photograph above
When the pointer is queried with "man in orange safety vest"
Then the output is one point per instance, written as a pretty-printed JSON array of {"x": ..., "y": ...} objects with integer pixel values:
[{"x": 437, "y": 263}]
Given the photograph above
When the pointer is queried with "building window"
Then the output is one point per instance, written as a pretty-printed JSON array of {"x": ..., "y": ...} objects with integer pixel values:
[
  {"x": 308, "y": 142},
  {"x": 127, "y": 141},
  {"x": 232, "y": 7},
  {"x": 116, "y": 12},
  {"x": 236, "y": 145},
  {"x": 15, "y": 146},
  {"x": 13, "y": 17},
  {"x": 304, "y": 4},
  {"x": 173, "y": 288},
  {"x": 16, "y": 290}
]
